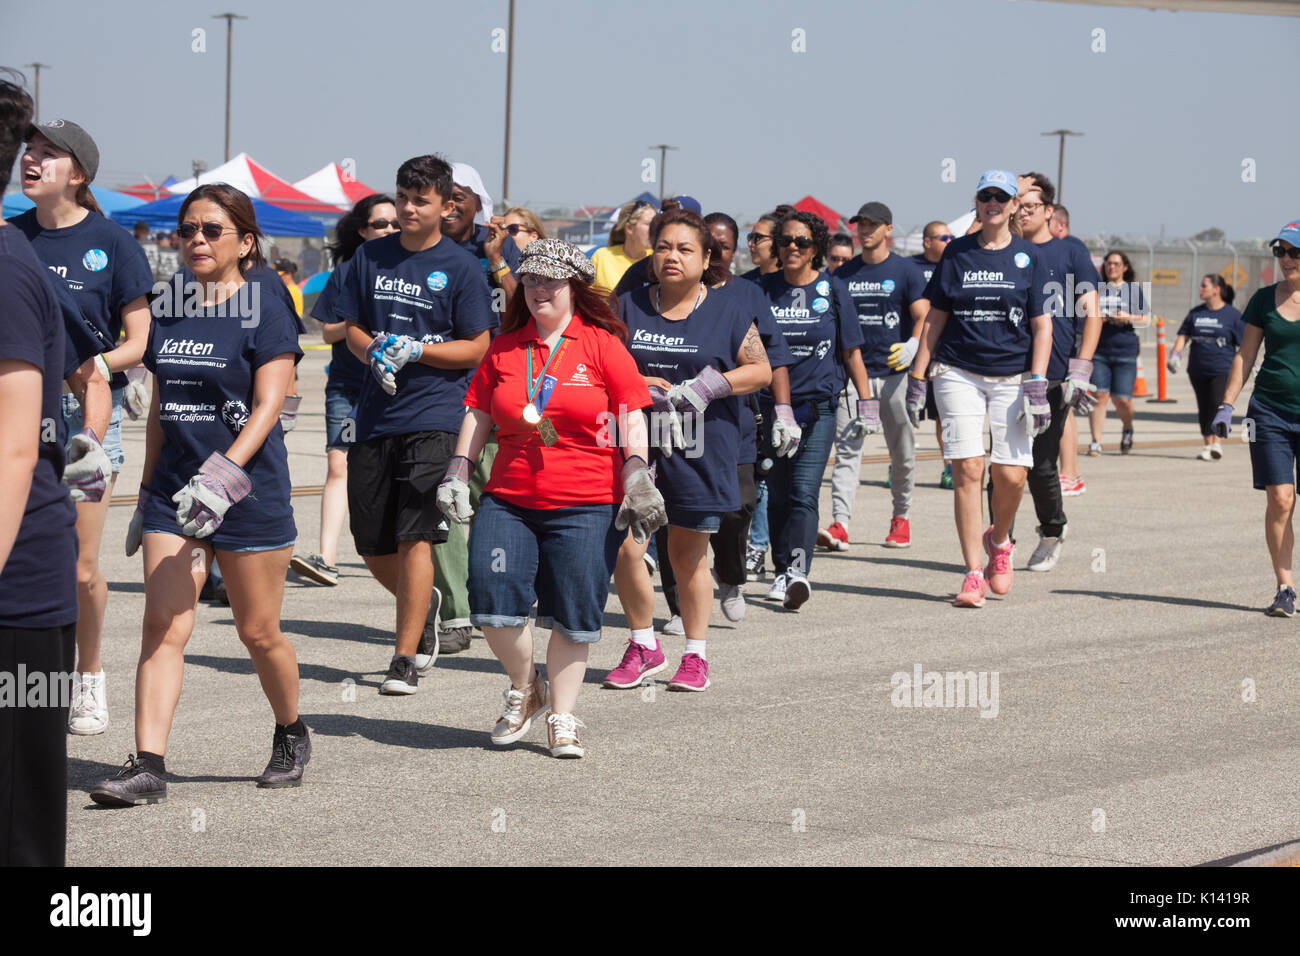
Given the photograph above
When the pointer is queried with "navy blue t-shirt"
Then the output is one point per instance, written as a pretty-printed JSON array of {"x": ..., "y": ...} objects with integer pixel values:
[
  {"x": 634, "y": 276},
  {"x": 925, "y": 266},
  {"x": 38, "y": 586},
  {"x": 436, "y": 295},
  {"x": 102, "y": 264},
  {"x": 1216, "y": 336},
  {"x": 882, "y": 295},
  {"x": 270, "y": 282},
  {"x": 204, "y": 363},
  {"x": 818, "y": 321},
  {"x": 1119, "y": 340},
  {"x": 703, "y": 476},
  {"x": 1067, "y": 267},
  {"x": 476, "y": 242},
  {"x": 990, "y": 295},
  {"x": 81, "y": 339},
  {"x": 778, "y": 356},
  {"x": 345, "y": 369}
]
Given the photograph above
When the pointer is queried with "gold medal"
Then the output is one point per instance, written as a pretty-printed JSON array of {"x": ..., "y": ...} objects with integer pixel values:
[
  {"x": 547, "y": 430},
  {"x": 531, "y": 415}
]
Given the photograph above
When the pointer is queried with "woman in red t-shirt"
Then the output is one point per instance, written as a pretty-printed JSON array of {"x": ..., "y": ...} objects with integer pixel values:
[{"x": 566, "y": 398}]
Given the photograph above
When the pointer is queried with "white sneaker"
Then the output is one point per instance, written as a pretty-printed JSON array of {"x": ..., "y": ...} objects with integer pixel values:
[
  {"x": 732, "y": 601},
  {"x": 89, "y": 713},
  {"x": 563, "y": 735},
  {"x": 1216, "y": 451},
  {"x": 1048, "y": 551},
  {"x": 674, "y": 626},
  {"x": 1205, "y": 454},
  {"x": 777, "y": 591},
  {"x": 1094, "y": 448}
]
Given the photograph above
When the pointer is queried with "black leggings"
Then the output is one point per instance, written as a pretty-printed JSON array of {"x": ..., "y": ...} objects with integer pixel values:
[{"x": 1209, "y": 395}]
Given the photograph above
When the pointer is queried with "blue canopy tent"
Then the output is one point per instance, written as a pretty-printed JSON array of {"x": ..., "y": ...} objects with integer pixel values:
[
  {"x": 109, "y": 200},
  {"x": 272, "y": 220}
]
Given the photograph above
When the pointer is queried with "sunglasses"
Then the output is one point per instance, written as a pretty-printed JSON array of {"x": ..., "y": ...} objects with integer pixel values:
[
  {"x": 944, "y": 238},
  {"x": 211, "y": 231},
  {"x": 992, "y": 195},
  {"x": 1280, "y": 252},
  {"x": 754, "y": 237},
  {"x": 515, "y": 229},
  {"x": 802, "y": 243},
  {"x": 384, "y": 224}
]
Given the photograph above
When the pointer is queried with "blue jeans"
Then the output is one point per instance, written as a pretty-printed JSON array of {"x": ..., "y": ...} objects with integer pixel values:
[
  {"x": 112, "y": 441},
  {"x": 560, "y": 558},
  {"x": 793, "y": 486},
  {"x": 758, "y": 535},
  {"x": 339, "y": 402}
]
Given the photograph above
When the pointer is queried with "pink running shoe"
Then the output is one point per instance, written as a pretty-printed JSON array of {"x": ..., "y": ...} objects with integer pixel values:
[
  {"x": 692, "y": 674},
  {"x": 998, "y": 572},
  {"x": 973, "y": 590},
  {"x": 638, "y": 664}
]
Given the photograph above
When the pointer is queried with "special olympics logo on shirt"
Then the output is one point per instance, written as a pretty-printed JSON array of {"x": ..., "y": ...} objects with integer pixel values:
[
  {"x": 1016, "y": 315},
  {"x": 823, "y": 288},
  {"x": 1022, "y": 260},
  {"x": 437, "y": 281},
  {"x": 891, "y": 320},
  {"x": 820, "y": 305},
  {"x": 235, "y": 414},
  {"x": 95, "y": 259},
  {"x": 823, "y": 347},
  {"x": 888, "y": 286}
]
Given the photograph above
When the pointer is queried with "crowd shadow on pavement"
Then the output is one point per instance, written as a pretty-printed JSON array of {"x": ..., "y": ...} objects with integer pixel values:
[
  {"x": 420, "y": 735},
  {"x": 1172, "y": 599}
]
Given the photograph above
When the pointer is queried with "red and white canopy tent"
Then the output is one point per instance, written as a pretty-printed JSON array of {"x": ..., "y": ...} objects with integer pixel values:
[
  {"x": 254, "y": 179},
  {"x": 834, "y": 221},
  {"x": 332, "y": 184}
]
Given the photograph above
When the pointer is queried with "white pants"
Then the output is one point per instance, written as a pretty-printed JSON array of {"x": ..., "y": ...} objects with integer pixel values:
[
  {"x": 964, "y": 399},
  {"x": 900, "y": 438}
]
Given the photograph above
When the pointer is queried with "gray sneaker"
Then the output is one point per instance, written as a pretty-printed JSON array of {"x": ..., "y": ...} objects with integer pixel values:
[
  {"x": 733, "y": 602},
  {"x": 289, "y": 756},
  {"x": 315, "y": 569},
  {"x": 674, "y": 626},
  {"x": 131, "y": 786},
  {"x": 454, "y": 640},
  {"x": 1048, "y": 551}
]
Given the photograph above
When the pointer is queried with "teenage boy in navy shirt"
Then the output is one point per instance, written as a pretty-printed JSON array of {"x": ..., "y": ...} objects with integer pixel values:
[{"x": 418, "y": 312}]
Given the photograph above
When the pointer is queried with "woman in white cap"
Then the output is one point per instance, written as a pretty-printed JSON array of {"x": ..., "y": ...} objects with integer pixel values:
[
  {"x": 986, "y": 348},
  {"x": 555, "y": 383},
  {"x": 110, "y": 278}
]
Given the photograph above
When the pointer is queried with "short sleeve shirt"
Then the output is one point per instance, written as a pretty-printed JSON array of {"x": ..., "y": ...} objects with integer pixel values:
[
  {"x": 818, "y": 321},
  {"x": 1277, "y": 383},
  {"x": 1119, "y": 340},
  {"x": 882, "y": 293},
  {"x": 1215, "y": 336},
  {"x": 1069, "y": 273},
  {"x": 345, "y": 370},
  {"x": 778, "y": 356}
]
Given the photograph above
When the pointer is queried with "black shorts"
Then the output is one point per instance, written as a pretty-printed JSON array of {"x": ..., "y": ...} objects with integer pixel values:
[
  {"x": 931, "y": 409},
  {"x": 392, "y": 481}
]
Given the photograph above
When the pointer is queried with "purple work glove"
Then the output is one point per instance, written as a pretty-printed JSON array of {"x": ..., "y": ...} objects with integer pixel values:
[
  {"x": 915, "y": 400},
  {"x": 700, "y": 390},
  {"x": 665, "y": 423},
  {"x": 87, "y": 467},
  {"x": 202, "y": 504},
  {"x": 289, "y": 412},
  {"x": 786, "y": 433},
  {"x": 135, "y": 530},
  {"x": 1037, "y": 409},
  {"x": 643, "y": 507},
  {"x": 453, "y": 490},
  {"x": 1175, "y": 362},
  {"x": 867, "y": 421},
  {"x": 1222, "y": 423},
  {"x": 1078, "y": 389}
]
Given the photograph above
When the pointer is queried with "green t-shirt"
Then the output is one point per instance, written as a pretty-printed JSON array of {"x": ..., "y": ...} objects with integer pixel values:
[{"x": 1277, "y": 383}]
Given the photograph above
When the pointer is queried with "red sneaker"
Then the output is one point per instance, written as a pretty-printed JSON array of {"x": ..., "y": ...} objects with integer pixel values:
[
  {"x": 998, "y": 571},
  {"x": 1072, "y": 487},
  {"x": 834, "y": 538},
  {"x": 900, "y": 533}
]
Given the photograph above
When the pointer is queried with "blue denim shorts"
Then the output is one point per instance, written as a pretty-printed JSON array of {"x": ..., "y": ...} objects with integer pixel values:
[
  {"x": 521, "y": 556},
  {"x": 72, "y": 420},
  {"x": 1115, "y": 375},
  {"x": 706, "y": 521},
  {"x": 1275, "y": 445},
  {"x": 339, "y": 402}
]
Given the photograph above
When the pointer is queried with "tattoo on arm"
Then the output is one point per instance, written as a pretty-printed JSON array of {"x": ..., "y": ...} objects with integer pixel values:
[{"x": 752, "y": 347}]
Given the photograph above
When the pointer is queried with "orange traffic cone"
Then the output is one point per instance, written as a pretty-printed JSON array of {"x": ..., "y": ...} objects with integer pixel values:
[{"x": 1140, "y": 386}]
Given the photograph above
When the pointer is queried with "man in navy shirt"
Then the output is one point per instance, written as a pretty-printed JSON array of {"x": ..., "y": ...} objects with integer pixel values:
[
  {"x": 934, "y": 239},
  {"x": 418, "y": 312}
]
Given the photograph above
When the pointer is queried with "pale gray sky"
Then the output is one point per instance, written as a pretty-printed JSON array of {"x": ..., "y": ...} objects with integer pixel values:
[{"x": 1172, "y": 104}]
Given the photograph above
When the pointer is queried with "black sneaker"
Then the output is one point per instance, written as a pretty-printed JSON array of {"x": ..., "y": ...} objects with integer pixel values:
[
  {"x": 426, "y": 655},
  {"x": 402, "y": 676},
  {"x": 131, "y": 786},
  {"x": 755, "y": 564},
  {"x": 454, "y": 641},
  {"x": 289, "y": 756},
  {"x": 1126, "y": 441},
  {"x": 315, "y": 569},
  {"x": 1284, "y": 604}
]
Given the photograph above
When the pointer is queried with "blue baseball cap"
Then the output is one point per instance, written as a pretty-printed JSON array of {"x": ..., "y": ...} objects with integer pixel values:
[
  {"x": 1291, "y": 233},
  {"x": 999, "y": 179},
  {"x": 691, "y": 203}
]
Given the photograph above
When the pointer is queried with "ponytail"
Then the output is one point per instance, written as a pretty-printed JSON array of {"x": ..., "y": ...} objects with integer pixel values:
[
  {"x": 1226, "y": 292},
  {"x": 85, "y": 198}
]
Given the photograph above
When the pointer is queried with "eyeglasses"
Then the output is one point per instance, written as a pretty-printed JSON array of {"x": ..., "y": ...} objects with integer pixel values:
[
  {"x": 802, "y": 243},
  {"x": 384, "y": 224},
  {"x": 1031, "y": 206},
  {"x": 943, "y": 238},
  {"x": 211, "y": 231},
  {"x": 992, "y": 195},
  {"x": 754, "y": 237},
  {"x": 1279, "y": 251}
]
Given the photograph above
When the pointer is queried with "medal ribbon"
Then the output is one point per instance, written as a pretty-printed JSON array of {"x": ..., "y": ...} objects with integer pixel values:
[{"x": 555, "y": 354}]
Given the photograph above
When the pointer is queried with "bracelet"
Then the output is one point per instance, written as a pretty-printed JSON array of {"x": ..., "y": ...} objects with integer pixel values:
[{"x": 501, "y": 272}]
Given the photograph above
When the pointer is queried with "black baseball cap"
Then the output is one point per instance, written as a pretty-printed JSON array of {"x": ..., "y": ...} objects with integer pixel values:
[
  {"x": 67, "y": 135},
  {"x": 875, "y": 212}
]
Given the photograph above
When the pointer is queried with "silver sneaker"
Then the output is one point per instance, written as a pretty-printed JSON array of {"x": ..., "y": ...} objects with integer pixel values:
[
  {"x": 1048, "y": 551},
  {"x": 733, "y": 602},
  {"x": 89, "y": 713},
  {"x": 674, "y": 626},
  {"x": 779, "y": 585}
]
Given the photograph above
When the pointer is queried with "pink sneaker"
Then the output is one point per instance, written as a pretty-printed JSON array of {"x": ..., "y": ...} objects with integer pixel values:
[
  {"x": 973, "y": 590},
  {"x": 692, "y": 674},
  {"x": 638, "y": 664},
  {"x": 998, "y": 572}
]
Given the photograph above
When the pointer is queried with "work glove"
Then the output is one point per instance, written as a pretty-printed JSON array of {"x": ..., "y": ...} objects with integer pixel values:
[
  {"x": 1078, "y": 389},
  {"x": 643, "y": 506},
  {"x": 453, "y": 490},
  {"x": 380, "y": 368},
  {"x": 700, "y": 390},
  {"x": 289, "y": 412},
  {"x": 902, "y": 353},
  {"x": 915, "y": 400},
  {"x": 87, "y": 467},
  {"x": 135, "y": 530},
  {"x": 1175, "y": 362},
  {"x": 401, "y": 349},
  {"x": 786, "y": 433},
  {"x": 1222, "y": 423},
  {"x": 663, "y": 413},
  {"x": 202, "y": 504},
  {"x": 1036, "y": 407},
  {"x": 135, "y": 398},
  {"x": 867, "y": 421}
]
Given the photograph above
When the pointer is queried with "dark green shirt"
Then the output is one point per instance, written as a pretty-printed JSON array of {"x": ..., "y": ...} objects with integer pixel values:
[{"x": 1277, "y": 383}]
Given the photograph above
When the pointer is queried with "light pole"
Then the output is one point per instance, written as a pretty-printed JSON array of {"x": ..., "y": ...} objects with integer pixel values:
[
  {"x": 37, "y": 67},
  {"x": 510, "y": 77},
  {"x": 230, "y": 19},
  {"x": 1060, "y": 160},
  {"x": 663, "y": 163}
]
